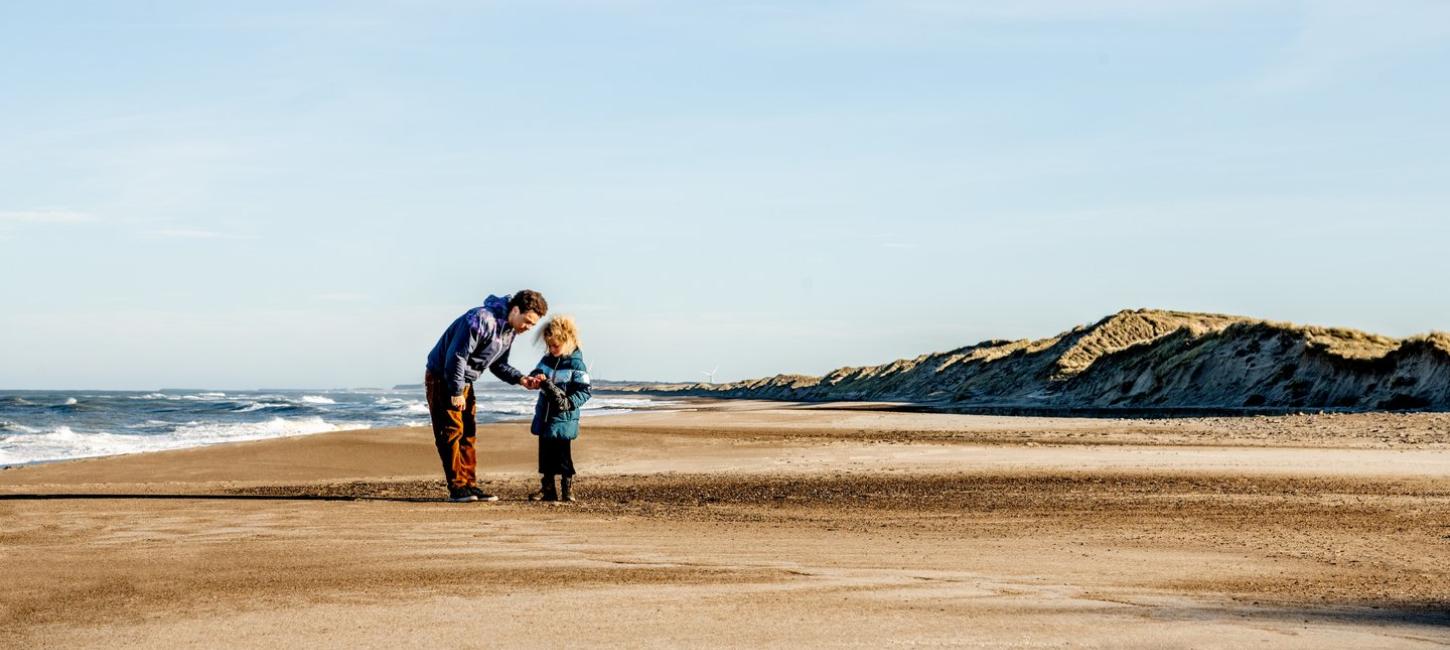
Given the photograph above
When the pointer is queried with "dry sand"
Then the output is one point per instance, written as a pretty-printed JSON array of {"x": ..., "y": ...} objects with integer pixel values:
[{"x": 754, "y": 524}]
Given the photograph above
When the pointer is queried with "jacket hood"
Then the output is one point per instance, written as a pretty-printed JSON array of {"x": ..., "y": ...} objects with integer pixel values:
[{"x": 497, "y": 306}]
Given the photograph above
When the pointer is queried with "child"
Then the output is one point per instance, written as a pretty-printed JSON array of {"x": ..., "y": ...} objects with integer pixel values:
[{"x": 564, "y": 390}]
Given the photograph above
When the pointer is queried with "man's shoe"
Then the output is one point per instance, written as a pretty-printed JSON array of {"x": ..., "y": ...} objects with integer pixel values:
[
  {"x": 566, "y": 489},
  {"x": 480, "y": 495},
  {"x": 461, "y": 495}
]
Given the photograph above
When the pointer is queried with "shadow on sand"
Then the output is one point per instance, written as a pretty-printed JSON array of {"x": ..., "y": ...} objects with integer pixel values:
[{"x": 1432, "y": 617}]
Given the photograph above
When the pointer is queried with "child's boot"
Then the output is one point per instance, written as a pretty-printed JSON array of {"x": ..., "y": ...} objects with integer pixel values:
[
  {"x": 566, "y": 489},
  {"x": 546, "y": 491}
]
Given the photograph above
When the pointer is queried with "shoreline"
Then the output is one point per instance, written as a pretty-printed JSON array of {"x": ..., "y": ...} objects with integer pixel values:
[
  {"x": 498, "y": 418},
  {"x": 1440, "y": 434},
  {"x": 1411, "y": 430},
  {"x": 1024, "y": 409}
]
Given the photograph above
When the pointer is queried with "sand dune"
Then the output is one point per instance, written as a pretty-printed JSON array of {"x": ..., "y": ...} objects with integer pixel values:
[{"x": 1145, "y": 359}]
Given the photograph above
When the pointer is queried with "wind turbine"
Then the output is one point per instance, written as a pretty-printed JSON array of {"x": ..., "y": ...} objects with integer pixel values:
[{"x": 710, "y": 374}]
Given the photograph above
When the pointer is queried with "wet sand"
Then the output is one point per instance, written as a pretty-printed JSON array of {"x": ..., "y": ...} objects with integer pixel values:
[{"x": 754, "y": 524}]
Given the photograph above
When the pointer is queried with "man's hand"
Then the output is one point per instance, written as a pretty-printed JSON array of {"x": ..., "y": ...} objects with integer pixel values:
[
  {"x": 531, "y": 382},
  {"x": 459, "y": 401}
]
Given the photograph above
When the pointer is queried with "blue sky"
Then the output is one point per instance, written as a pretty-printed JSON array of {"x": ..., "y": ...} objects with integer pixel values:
[{"x": 304, "y": 194}]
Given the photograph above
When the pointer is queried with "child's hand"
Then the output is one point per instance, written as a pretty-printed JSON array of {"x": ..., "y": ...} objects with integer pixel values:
[
  {"x": 531, "y": 382},
  {"x": 556, "y": 394}
]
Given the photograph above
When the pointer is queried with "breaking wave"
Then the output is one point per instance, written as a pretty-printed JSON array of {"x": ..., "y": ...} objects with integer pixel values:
[
  {"x": 39, "y": 426},
  {"x": 62, "y": 442}
]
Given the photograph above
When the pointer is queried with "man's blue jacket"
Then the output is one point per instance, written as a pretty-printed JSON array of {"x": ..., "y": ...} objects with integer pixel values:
[{"x": 478, "y": 339}]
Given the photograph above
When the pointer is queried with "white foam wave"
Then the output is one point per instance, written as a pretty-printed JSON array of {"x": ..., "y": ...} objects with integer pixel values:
[
  {"x": 151, "y": 424},
  {"x": 506, "y": 408},
  {"x": 19, "y": 428},
  {"x": 605, "y": 411},
  {"x": 208, "y": 432},
  {"x": 177, "y": 419},
  {"x": 62, "y": 443},
  {"x": 595, "y": 406},
  {"x": 257, "y": 406},
  {"x": 624, "y": 403},
  {"x": 403, "y": 406},
  {"x": 71, "y": 401}
]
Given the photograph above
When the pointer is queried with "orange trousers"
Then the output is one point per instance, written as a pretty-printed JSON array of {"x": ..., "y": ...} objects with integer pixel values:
[{"x": 454, "y": 432}]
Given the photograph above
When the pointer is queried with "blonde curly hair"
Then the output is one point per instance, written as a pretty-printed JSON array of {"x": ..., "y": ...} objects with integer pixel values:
[{"x": 560, "y": 330}]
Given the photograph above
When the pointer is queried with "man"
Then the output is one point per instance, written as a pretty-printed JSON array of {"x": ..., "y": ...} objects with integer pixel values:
[{"x": 477, "y": 340}]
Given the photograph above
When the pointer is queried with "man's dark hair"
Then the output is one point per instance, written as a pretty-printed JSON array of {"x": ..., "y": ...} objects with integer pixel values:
[{"x": 528, "y": 300}]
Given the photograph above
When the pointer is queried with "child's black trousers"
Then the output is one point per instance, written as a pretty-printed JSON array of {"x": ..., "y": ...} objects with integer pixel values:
[{"x": 555, "y": 457}]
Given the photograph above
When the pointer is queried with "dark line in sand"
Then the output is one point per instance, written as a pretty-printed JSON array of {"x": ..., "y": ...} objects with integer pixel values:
[
  {"x": 1009, "y": 409},
  {"x": 214, "y": 497}
]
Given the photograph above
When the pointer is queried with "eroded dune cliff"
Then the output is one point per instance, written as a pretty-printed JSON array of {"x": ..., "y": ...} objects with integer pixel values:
[{"x": 1146, "y": 359}]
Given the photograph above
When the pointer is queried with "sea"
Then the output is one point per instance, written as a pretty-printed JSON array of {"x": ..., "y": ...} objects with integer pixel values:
[{"x": 43, "y": 426}]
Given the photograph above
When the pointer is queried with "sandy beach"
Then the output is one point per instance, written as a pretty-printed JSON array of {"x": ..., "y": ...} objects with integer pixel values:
[{"x": 755, "y": 524}]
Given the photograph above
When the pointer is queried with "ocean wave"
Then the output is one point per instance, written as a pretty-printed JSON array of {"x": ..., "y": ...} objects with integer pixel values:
[
  {"x": 595, "y": 406},
  {"x": 196, "y": 397},
  {"x": 70, "y": 404},
  {"x": 152, "y": 424},
  {"x": 405, "y": 406},
  {"x": 416, "y": 408},
  {"x": 100, "y": 424},
  {"x": 62, "y": 442},
  {"x": 605, "y": 411},
  {"x": 258, "y": 406},
  {"x": 625, "y": 403},
  {"x": 6, "y": 425},
  {"x": 503, "y": 408},
  {"x": 275, "y": 427}
]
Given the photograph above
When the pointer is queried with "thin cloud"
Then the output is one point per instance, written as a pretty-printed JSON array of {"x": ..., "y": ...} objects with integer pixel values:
[
  {"x": 191, "y": 233},
  {"x": 1060, "y": 10},
  {"x": 343, "y": 296},
  {"x": 44, "y": 216},
  {"x": 911, "y": 23},
  {"x": 1340, "y": 38},
  {"x": 590, "y": 307}
]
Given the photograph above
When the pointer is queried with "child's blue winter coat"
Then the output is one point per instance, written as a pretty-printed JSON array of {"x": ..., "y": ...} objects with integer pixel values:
[{"x": 570, "y": 374}]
